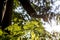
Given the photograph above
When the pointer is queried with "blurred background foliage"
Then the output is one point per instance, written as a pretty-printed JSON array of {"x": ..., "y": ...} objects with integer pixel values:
[
  {"x": 25, "y": 27},
  {"x": 24, "y": 30}
]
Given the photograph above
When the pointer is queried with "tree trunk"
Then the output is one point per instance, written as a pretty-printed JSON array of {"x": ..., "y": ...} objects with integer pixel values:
[
  {"x": 8, "y": 14},
  {"x": 30, "y": 10},
  {"x": 27, "y": 6},
  {"x": 1, "y": 8}
]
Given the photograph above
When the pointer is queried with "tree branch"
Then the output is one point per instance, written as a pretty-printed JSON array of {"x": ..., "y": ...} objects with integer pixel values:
[{"x": 27, "y": 6}]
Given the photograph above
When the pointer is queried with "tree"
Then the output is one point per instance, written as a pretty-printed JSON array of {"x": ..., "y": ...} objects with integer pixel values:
[
  {"x": 29, "y": 9},
  {"x": 1, "y": 7},
  {"x": 8, "y": 14},
  {"x": 21, "y": 26},
  {"x": 5, "y": 12}
]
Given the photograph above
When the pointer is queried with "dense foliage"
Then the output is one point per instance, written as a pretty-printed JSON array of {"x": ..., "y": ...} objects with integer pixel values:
[{"x": 25, "y": 27}]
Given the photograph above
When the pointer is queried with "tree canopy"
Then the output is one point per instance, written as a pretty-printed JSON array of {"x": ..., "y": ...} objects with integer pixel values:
[{"x": 21, "y": 19}]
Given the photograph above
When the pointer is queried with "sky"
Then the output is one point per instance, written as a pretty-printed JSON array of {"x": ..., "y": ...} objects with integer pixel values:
[
  {"x": 52, "y": 26},
  {"x": 56, "y": 6}
]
